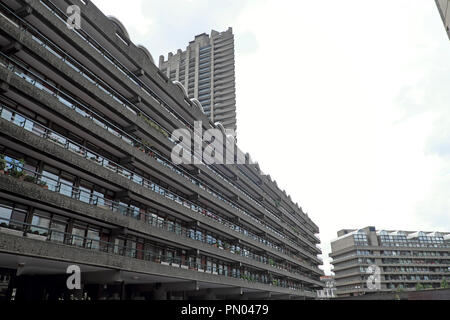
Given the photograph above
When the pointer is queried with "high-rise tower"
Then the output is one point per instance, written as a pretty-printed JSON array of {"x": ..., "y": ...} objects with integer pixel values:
[{"x": 206, "y": 70}]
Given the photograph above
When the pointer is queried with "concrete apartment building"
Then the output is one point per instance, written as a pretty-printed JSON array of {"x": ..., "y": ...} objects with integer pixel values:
[
  {"x": 86, "y": 178},
  {"x": 444, "y": 11},
  {"x": 405, "y": 259},
  {"x": 206, "y": 70}
]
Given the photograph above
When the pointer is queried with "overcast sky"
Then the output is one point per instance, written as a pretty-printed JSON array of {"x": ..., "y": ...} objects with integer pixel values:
[{"x": 346, "y": 104}]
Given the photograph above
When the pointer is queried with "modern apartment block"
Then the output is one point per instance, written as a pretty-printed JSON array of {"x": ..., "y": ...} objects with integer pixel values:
[
  {"x": 444, "y": 11},
  {"x": 206, "y": 70},
  {"x": 86, "y": 178},
  {"x": 406, "y": 259}
]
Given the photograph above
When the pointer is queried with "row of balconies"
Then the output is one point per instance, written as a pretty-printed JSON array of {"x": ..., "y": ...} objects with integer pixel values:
[
  {"x": 35, "y": 83},
  {"x": 112, "y": 205},
  {"x": 111, "y": 255},
  {"x": 86, "y": 37}
]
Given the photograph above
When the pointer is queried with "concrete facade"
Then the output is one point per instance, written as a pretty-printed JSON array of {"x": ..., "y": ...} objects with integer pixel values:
[
  {"x": 403, "y": 260},
  {"x": 206, "y": 71},
  {"x": 86, "y": 178}
]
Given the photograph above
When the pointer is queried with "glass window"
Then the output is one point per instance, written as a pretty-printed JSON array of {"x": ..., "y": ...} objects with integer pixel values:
[
  {"x": 40, "y": 223},
  {"x": 78, "y": 234},
  {"x": 58, "y": 229},
  {"x": 5, "y": 214},
  {"x": 93, "y": 238}
]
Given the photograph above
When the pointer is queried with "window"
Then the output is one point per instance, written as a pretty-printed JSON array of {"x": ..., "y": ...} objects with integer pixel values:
[
  {"x": 58, "y": 229},
  {"x": 5, "y": 213},
  {"x": 40, "y": 222},
  {"x": 93, "y": 239},
  {"x": 78, "y": 234}
]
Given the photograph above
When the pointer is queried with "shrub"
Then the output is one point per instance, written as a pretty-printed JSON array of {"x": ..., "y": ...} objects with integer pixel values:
[{"x": 444, "y": 283}]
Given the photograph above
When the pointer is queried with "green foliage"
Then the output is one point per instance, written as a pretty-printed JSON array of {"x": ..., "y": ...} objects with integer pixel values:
[
  {"x": 444, "y": 283},
  {"x": 153, "y": 125},
  {"x": 42, "y": 183},
  {"x": 30, "y": 179},
  {"x": 419, "y": 287}
]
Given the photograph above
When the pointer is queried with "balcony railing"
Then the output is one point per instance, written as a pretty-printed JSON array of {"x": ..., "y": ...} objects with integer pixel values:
[
  {"x": 51, "y": 47},
  {"x": 19, "y": 228},
  {"x": 110, "y": 91},
  {"x": 76, "y": 193},
  {"x": 36, "y": 82}
]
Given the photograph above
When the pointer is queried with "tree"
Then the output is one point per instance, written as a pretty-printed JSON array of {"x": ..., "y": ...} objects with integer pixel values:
[{"x": 444, "y": 283}]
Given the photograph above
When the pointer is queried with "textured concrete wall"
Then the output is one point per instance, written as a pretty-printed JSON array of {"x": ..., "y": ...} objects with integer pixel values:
[{"x": 73, "y": 255}]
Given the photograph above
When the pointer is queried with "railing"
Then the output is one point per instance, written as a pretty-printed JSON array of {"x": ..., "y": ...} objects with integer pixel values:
[
  {"x": 56, "y": 236},
  {"x": 129, "y": 139},
  {"x": 79, "y": 194},
  {"x": 35, "y": 82},
  {"x": 61, "y": 15}
]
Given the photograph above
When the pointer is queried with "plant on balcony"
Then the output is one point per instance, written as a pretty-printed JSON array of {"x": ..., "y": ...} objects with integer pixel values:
[
  {"x": 419, "y": 287},
  {"x": 43, "y": 184},
  {"x": 272, "y": 262},
  {"x": 30, "y": 179},
  {"x": 444, "y": 283},
  {"x": 153, "y": 125},
  {"x": 17, "y": 171}
]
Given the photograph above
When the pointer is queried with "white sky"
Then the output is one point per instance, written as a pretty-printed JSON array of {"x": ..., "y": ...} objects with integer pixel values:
[{"x": 346, "y": 104}]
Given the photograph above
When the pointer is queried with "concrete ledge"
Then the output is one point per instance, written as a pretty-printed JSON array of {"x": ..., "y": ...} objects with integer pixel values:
[
  {"x": 53, "y": 251},
  {"x": 67, "y": 156}
]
